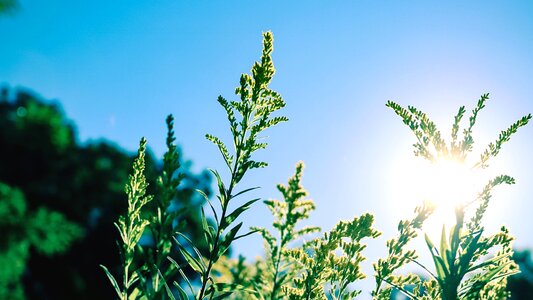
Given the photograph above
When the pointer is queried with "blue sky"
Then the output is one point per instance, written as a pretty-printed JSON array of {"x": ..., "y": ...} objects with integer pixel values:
[{"x": 119, "y": 67}]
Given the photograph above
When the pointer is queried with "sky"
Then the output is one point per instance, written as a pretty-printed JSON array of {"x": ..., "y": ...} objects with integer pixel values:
[{"x": 118, "y": 68}]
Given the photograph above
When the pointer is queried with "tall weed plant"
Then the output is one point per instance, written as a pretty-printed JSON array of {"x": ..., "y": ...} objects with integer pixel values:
[{"x": 304, "y": 262}]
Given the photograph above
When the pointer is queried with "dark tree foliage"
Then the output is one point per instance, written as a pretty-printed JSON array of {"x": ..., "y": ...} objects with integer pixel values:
[
  {"x": 7, "y": 5},
  {"x": 42, "y": 230},
  {"x": 84, "y": 182},
  {"x": 521, "y": 285}
]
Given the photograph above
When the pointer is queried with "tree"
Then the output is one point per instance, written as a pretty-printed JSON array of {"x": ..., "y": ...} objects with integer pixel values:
[
  {"x": 521, "y": 285},
  {"x": 7, "y": 5},
  {"x": 47, "y": 232}
]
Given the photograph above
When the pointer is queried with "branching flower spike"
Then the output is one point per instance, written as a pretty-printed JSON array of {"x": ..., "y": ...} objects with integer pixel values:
[
  {"x": 287, "y": 214},
  {"x": 131, "y": 225},
  {"x": 248, "y": 118},
  {"x": 461, "y": 268}
]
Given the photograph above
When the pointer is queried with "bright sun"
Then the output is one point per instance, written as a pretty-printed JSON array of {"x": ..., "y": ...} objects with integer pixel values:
[
  {"x": 446, "y": 183},
  {"x": 449, "y": 183}
]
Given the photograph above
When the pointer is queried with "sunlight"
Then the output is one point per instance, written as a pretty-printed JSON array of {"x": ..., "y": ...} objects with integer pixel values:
[{"x": 446, "y": 183}]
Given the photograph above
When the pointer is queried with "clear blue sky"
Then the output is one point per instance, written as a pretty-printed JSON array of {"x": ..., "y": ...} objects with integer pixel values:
[{"x": 119, "y": 67}]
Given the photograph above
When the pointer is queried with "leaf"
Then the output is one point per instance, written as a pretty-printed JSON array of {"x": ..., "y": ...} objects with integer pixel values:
[
  {"x": 245, "y": 235},
  {"x": 445, "y": 249},
  {"x": 439, "y": 263},
  {"x": 167, "y": 288},
  {"x": 179, "y": 268},
  {"x": 228, "y": 238},
  {"x": 205, "y": 228},
  {"x": 222, "y": 148},
  {"x": 181, "y": 291},
  {"x": 235, "y": 214},
  {"x": 221, "y": 188},
  {"x": 465, "y": 259},
  {"x": 208, "y": 202},
  {"x": 245, "y": 191},
  {"x": 197, "y": 265},
  {"x": 113, "y": 281}
]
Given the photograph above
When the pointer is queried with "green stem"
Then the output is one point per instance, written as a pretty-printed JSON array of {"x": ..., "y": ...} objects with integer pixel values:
[
  {"x": 276, "y": 283},
  {"x": 126, "y": 285},
  {"x": 216, "y": 242}
]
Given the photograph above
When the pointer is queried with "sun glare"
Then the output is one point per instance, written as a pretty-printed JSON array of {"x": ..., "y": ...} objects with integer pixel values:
[
  {"x": 446, "y": 184},
  {"x": 449, "y": 183}
]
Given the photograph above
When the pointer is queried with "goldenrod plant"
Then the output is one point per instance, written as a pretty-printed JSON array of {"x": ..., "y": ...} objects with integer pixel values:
[
  {"x": 297, "y": 266},
  {"x": 461, "y": 270},
  {"x": 331, "y": 263},
  {"x": 399, "y": 256},
  {"x": 162, "y": 225},
  {"x": 300, "y": 262},
  {"x": 131, "y": 227},
  {"x": 279, "y": 269},
  {"x": 248, "y": 118}
]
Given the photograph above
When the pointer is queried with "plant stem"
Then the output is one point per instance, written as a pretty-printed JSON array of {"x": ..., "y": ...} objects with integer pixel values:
[
  {"x": 227, "y": 197},
  {"x": 126, "y": 285},
  {"x": 277, "y": 262}
]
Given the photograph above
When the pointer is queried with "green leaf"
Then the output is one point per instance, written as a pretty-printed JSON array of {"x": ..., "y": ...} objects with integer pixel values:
[
  {"x": 113, "y": 281},
  {"x": 167, "y": 288},
  {"x": 235, "y": 214},
  {"x": 245, "y": 235},
  {"x": 245, "y": 191},
  {"x": 181, "y": 291},
  {"x": 439, "y": 263},
  {"x": 221, "y": 188},
  {"x": 228, "y": 238},
  {"x": 222, "y": 148},
  {"x": 445, "y": 249},
  {"x": 180, "y": 270},
  {"x": 197, "y": 265},
  {"x": 209, "y": 203},
  {"x": 205, "y": 228}
]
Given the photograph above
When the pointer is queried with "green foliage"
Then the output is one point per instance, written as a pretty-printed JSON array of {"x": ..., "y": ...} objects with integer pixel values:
[
  {"x": 521, "y": 284},
  {"x": 250, "y": 278},
  {"x": 494, "y": 147},
  {"x": 131, "y": 225},
  {"x": 84, "y": 182},
  {"x": 432, "y": 146},
  {"x": 329, "y": 264},
  {"x": 398, "y": 256},
  {"x": 7, "y": 5},
  {"x": 248, "y": 117},
  {"x": 467, "y": 263},
  {"x": 322, "y": 267},
  {"x": 461, "y": 270},
  {"x": 47, "y": 232},
  {"x": 286, "y": 214},
  {"x": 162, "y": 218},
  {"x": 34, "y": 115}
]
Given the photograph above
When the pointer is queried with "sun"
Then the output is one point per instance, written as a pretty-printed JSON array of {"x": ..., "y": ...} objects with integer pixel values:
[
  {"x": 446, "y": 183},
  {"x": 449, "y": 183}
]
